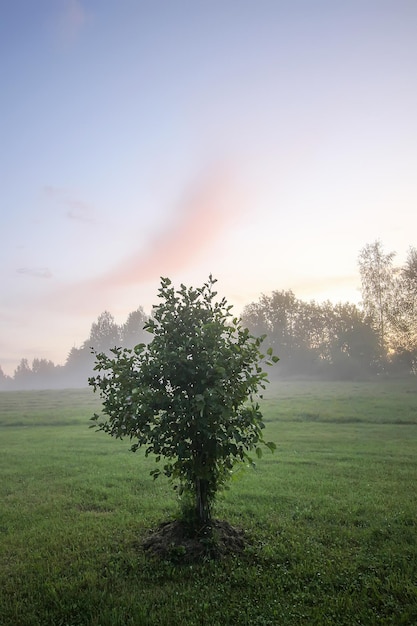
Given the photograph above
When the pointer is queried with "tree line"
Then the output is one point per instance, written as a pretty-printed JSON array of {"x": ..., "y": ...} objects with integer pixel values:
[
  {"x": 105, "y": 334},
  {"x": 323, "y": 340},
  {"x": 344, "y": 341}
]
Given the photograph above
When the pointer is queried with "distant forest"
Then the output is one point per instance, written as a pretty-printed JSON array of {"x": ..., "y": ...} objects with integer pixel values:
[{"x": 319, "y": 340}]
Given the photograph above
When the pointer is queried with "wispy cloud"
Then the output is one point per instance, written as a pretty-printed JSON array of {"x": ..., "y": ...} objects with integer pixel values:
[
  {"x": 36, "y": 272},
  {"x": 54, "y": 192},
  {"x": 75, "y": 209},
  {"x": 79, "y": 211}
]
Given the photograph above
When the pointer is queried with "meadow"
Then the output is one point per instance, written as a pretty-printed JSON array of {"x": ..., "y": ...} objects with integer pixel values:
[{"x": 330, "y": 518}]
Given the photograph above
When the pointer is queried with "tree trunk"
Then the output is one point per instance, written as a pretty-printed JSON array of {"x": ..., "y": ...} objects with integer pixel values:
[{"x": 202, "y": 502}]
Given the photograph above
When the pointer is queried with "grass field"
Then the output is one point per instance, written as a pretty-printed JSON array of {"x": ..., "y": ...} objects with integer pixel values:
[{"x": 330, "y": 518}]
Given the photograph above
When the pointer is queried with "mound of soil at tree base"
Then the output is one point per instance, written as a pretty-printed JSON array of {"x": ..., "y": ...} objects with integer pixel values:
[{"x": 180, "y": 542}]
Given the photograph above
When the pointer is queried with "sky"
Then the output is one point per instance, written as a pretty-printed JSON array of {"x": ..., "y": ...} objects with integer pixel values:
[{"x": 263, "y": 141}]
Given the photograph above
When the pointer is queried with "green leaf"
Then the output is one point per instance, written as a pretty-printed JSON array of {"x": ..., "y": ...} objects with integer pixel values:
[{"x": 155, "y": 473}]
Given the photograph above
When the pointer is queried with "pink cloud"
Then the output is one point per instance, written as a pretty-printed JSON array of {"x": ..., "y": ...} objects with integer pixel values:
[{"x": 206, "y": 210}]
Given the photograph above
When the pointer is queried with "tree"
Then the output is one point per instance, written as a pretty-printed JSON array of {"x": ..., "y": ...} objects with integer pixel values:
[
  {"x": 404, "y": 315},
  {"x": 104, "y": 333},
  {"x": 378, "y": 281},
  {"x": 190, "y": 395},
  {"x": 280, "y": 311},
  {"x": 78, "y": 366},
  {"x": 353, "y": 344},
  {"x": 410, "y": 270},
  {"x": 4, "y": 380},
  {"x": 43, "y": 367},
  {"x": 44, "y": 373},
  {"x": 22, "y": 376},
  {"x": 132, "y": 331},
  {"x": 279, "y": 317}
]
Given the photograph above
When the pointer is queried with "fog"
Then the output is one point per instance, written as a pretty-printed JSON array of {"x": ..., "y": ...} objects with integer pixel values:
[{"x": 318, "y": 340}]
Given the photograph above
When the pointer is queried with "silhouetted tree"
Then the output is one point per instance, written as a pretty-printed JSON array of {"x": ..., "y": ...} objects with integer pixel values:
[
  {"x": 5, "y": 381},
  {"x": 78, "y": 366},
  {"x": 132, "y": 332},
  {"x": 44, "y": 373},
  {"x": 22, "y": 376},
  {"x": 353, "y": 344},
  {"x": 105, "y": 333},
  {"x": 42, "y": 367},
  {"x": 320, "y": 339},
  {"x": 280, "y": 317}
]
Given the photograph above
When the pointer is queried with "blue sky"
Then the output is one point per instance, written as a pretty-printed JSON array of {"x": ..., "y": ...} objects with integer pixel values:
[{"x": 263, "y": 141}]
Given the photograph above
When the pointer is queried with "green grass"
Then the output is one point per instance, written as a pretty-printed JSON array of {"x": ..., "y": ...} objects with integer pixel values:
[{"x": 331, "y": 517}]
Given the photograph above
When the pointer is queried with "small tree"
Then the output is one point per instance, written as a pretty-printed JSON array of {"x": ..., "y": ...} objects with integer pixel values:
[{"x": 190, "y": 395}]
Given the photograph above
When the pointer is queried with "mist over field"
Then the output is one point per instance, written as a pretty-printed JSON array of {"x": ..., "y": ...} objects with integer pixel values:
[{"x": 312, "y": 340}]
